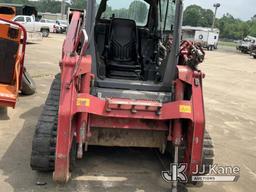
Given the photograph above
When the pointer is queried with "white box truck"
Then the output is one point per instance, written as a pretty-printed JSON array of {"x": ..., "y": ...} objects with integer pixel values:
[{"x": 207, "y": 37}]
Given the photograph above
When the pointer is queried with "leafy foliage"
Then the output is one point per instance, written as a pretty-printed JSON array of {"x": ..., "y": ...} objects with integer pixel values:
[
  {"x": 136, "y": 11},
  {"x": 48, "y": 5},
  {"x": 80, "y": 4},
  {"x": 14, "y": 1},
  {"x": 230, "y": 27},
  {"x": 194, "y": 15}
]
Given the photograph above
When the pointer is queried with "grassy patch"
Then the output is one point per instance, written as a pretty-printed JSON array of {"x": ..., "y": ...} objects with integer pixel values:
[{"x": 227, "y": 43}]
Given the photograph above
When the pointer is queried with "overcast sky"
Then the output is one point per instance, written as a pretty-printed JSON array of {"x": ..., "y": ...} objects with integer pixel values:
[{"x": 243, "y": 9}]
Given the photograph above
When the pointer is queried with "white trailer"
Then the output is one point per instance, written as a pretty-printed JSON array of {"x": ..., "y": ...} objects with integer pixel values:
[{"x": 207, "y": 37}]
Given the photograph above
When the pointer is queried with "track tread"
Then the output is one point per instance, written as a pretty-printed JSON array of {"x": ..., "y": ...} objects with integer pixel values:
[
  {"x": 208, "y": 152},
  {"x": 44, "y": 141}
]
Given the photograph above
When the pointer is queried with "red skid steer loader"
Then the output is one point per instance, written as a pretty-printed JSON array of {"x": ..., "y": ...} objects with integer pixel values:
[{"x": 126, "y": 80}]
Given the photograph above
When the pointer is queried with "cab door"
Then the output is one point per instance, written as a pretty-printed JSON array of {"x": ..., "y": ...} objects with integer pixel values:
[
  {"x": 20, "y": 19},
  {"x": 29, "y": 24},
  {"x": 26, "y": 22}
]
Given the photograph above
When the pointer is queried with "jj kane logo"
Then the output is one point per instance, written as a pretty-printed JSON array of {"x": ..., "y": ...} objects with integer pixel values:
[{"x": 212, "y": 173}]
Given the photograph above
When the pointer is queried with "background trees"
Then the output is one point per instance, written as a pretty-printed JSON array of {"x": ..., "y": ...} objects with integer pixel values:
[
  {"x": 230, "y": 27},
  {"x": 48, "y": 5},
  {"x": 194, "y": 15},
  {"x": 138, "y": 11}
]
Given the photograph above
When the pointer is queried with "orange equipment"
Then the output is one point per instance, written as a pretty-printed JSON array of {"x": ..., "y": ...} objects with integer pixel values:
[
  {"x": 12, "y": 51},
  {"x": 7, "y": 12}
]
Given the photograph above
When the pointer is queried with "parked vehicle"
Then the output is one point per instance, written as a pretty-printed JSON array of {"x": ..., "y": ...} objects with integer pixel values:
[
  {"x": 52, "y": 24},
  {"x": 253, "y": 51},
  {"x": 32, "y": 26},
  {"x": 207, "y": 37},
  {"x": 63, "y": 24},
  {"x": 8, "y": 11},
  {"x": 245, "y": 45}
]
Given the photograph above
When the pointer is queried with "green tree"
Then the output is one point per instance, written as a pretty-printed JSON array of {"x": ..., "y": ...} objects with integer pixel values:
[
  {"x": 252, "y": 28},
  {"x": 14, "y": 1},
  {"x": 192, "y": 15},
  {"x": 230, "y": 27},
  {"x": 196, "y": 16},
  {"x": 208, "y": 17},
  {"x": 79, "y": 4}
]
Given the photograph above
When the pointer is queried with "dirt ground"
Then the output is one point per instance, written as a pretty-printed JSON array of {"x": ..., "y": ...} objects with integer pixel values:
[{"x": 230, "y": 101}]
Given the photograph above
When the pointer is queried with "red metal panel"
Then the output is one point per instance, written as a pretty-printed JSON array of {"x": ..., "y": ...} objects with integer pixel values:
[
  {"x": 97, "y": 106},
  {"x": 65, "y": 132},
  {"x": 73, "y": 29},
  {"x": 185, "y": 74},
  {"x": 177, "y": 127},
  {"x": 133, "y": 105},
  {"x": 122, "y": 123},
  {"x": 199, "y": 124},
  {"x": 85, "y": 67}
]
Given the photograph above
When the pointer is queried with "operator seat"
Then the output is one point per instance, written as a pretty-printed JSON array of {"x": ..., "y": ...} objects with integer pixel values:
[{"x": 122, "y": 60}]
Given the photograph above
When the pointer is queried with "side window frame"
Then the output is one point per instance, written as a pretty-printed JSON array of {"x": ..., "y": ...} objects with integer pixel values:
[
  {"x": 28, "y": 20},
  {"x": 17, "y": 19}
]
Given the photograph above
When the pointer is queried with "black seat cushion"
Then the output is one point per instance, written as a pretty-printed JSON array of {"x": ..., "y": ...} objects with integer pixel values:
[
  {"x": 122, "y": 59},
  {"x": 128, "y": 65},
  {"x": 8, "y": 55}
]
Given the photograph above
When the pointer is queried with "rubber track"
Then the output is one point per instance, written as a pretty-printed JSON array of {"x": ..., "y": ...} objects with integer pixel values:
[
  {"x": 44, "y": 141},
  {"x": 208, "y": 152}
]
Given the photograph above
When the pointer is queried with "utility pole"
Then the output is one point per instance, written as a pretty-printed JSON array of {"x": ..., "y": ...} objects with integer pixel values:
[
  {"x": 63, "y": 8},
  {"x": 217, "y": 5}
]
